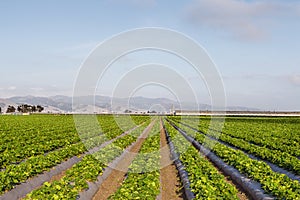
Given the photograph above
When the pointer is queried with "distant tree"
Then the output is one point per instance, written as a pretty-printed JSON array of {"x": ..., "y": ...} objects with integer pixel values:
[
  {"x": 33, "y": 109},
  {"x": 0, "y": 110},
  {"x": 127, "y": 111},
  {"x": 28, "y": 108},
  {"x": 22, "y": 108},
  {"x": 10, "y": 109},
  {"x": 25, "y": 108},
  {"x": 39, "y": 108},
  {"x": 19, "y": 109}
]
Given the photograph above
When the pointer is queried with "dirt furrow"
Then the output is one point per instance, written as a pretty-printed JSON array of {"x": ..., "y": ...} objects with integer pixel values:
[
  {"x": 252, "y": 188},
  {"x": 111, "y": 184},
  {"x": 56, "y": 173},
  {"x": 170, "y": 181}
]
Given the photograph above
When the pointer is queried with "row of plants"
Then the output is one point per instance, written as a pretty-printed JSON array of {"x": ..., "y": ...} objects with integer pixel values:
[
  {"x": 279, "y": 185},
  {"x": 285, "y": 129},
  {"x": 26, "y": 136},
  {"x": 282, "y": 159},
  {"x": 143, "y": 177},
  {"x": 49, "y": 132},
  {"x": 111, "y": 127},
  {"x": 285, "y": 144},
  {"x": 87, "y": 170},
  {"x": 17, "y": 173},
  {"x": 274, "y": 133},
  {"x": 205, "y": 180},
  {"x": 279, "y": 158}
]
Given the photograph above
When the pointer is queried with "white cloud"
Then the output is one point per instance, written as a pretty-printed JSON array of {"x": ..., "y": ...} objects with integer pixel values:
[
  {"x": 37, "y": 89},
  {"x": 294, "y": 79},
  {"x": 240, "y": 18},
  {"x": 12, "y": 88}
]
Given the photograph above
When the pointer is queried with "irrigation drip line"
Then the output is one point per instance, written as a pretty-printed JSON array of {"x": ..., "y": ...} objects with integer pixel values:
[
  {"x": 273, "y": 166},
  {"x": 180, "y": 167},
  {"x": 22, "y": 189},
  {"x": 251, "y": 187}
]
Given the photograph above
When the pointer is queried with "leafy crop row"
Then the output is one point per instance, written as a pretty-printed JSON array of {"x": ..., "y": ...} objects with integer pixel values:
[
  {"x": 17, "y": 173},
  {"x": 22, "y": 137},
  {"x": 206, "y": 181},
  {"x": 276, "y": 134},
  {"x": 143, "y": 181},
  {"x": 282, "y": 159},
  {"x": 277, "y": 184},
  {"x": 87, "y": 170},
  {"x": 26, "y": 136}
]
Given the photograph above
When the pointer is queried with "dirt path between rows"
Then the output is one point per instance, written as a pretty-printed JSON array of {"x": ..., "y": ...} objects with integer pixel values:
[
  {"x": 111, "y": 184},
  {"x": 91, "y": 151},
  {"x": 170, "y": 181}
]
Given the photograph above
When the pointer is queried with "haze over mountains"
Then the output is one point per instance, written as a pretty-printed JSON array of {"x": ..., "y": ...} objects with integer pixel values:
[{"x": 103, "y": 104}]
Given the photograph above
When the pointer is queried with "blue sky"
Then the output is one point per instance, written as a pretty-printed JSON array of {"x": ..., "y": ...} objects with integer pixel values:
[{"x": 255, "y": 44}]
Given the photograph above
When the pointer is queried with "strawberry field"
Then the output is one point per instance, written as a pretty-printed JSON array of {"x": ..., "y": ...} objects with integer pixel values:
[{"x": 143, "y": 157}]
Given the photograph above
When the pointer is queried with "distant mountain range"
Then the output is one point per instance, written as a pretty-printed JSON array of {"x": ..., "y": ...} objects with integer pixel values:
[{"x": 104, "y": 104}]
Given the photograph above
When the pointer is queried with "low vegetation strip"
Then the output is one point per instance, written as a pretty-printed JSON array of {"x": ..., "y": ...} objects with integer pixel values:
[
  {"x": 17, "y": 173},
  {"x": 205, "y": 180},
  {"x": 37, "y": 181},
  {"x": 171, "y": 187},
  {"x": 108, "y": 183},
  {"x": 282, "y": 159},
  {"x": 279, "y": 185},
  {"x": 143, "y": 180},
  {"x": 87, "y": 170},
  {"x": 23, "y": 137},
  {"x": 188, "y": 194},
  {"x": 273, "y": 133}
]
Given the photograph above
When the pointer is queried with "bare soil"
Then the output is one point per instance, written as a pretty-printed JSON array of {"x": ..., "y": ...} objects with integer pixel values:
[
  {"x": 170, "y": 183},
  {"x": 58, "y": 176},
  {"x": 115, "y": 179}
]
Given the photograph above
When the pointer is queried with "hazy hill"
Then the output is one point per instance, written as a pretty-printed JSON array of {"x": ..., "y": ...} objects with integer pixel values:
[{"x": 105, "y": 104}]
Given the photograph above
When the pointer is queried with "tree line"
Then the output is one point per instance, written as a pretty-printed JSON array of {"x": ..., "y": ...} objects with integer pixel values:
[{"x": 24, "y": 108}]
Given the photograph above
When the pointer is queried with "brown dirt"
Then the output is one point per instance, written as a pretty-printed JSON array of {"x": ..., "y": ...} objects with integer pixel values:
[
  {"x": 58, "y": 176},
  {"x": 170, "y": 184},
  {"x": 63, "y": 173},
  {"x": 115, "y": 179},
  {"x": 242, "y": 196}
]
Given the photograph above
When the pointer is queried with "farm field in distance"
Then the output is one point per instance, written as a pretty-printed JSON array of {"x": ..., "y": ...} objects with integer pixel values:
[
  {"x": 150, "y": 100},
  {"x": 149, "y": 157}
]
